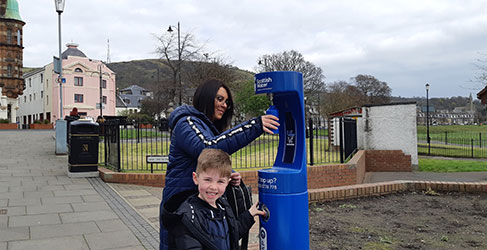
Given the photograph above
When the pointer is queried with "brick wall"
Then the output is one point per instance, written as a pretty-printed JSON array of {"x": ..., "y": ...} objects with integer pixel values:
[
  {"x": 323, "y": 176},
  {"x": 387, "y": 161}
]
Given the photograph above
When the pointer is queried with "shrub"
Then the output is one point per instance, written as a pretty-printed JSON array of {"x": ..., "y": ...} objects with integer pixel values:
[
  {"x": 45, "y": 122},
  {"x": 4, "y": 121},
  {"x": 142, "y": 118},
  {"x": 37, "y": 122}
]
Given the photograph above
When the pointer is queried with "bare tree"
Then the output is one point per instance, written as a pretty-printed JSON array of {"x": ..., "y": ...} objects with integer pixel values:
[
  {"x": 158, "y": 102},
  {"x": 292, "y": 60},
  {"x": 175, "y": 56},
  {"x": 374, "y": 91},
  {"x": 341, "y": 95},
  {"x": 210, "y": 66},
  {"x": 481, "y": 76}
]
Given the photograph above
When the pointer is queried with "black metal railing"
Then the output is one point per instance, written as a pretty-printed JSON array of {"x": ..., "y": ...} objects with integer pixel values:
[
  {"x": 463, "y": 144},
  {"x": 137, "y": 140}
]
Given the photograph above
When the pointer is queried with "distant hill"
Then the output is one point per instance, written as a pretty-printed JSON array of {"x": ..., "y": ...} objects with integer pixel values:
[
  {"x": 149, "y": 72},
  {"x": 443, "y": 103}
]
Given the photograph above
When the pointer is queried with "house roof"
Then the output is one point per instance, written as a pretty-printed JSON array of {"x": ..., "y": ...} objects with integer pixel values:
[
  {"x": 72, "y": 50},
  {"x": 132, "y": 95},
  {"x": 482, "y": 95}
]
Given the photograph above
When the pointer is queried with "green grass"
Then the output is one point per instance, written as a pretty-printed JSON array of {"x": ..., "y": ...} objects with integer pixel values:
[{"x": 451, "y": 165}]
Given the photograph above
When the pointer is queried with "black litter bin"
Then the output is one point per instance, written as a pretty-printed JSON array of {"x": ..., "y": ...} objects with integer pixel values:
[
  {"x": 69, "y": 119},
  {"x": 83, "y": 147},
  {"x": 163, "y": 125}
]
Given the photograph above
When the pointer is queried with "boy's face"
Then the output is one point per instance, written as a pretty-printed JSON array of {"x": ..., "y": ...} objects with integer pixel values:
[{"x": 211, "y": 185}]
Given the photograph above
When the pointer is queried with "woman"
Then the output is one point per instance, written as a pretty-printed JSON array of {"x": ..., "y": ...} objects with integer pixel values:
[{"x": 204, "y": 125}]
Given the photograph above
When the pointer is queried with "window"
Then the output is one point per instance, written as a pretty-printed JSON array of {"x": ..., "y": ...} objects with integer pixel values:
[
  {"x": 78, "y": 70},
  {"x": 47, "y": 100},
  {"x": 9, "y": 70},
  {"x": 30, "y": 97},
  {"x": 42, "y": 94},
  {"x": 25, "y": 98},
  {"x": 9, "y": 36},
  {"x": 30, "y": 82},
  {"x": 42, "y": 77},
  {"x": 19, "y": 37},
  {"x": 47, "y": 83},
  {"x": 127, "y": 101},
  {"x": 104, "y": 99},
  {"x": 104, "y": 84},
  {"x": 78, "y": 81},
  {"x": 34, "y": 96},
  {"x": 78, "y": 98}
]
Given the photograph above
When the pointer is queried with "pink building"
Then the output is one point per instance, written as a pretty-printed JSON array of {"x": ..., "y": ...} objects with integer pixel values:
[{"x": 81, "y": 89}]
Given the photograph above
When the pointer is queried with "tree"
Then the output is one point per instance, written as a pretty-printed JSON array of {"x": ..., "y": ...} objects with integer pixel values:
[
  {"x": 174, "y": 57},
  {"x": 340, "y": 95},
  {"x": 481, "y": 76},
  {"x": 373, "y": 90},
  {"x": 247, "y": 102},
  {"x": 292, "y": 60},
  {"x": 159, "y": 101},
  {"x": 207, "y": 67}
]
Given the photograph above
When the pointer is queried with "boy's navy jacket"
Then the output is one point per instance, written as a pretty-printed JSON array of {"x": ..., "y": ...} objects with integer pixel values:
[
  {"x": 187, "y": 218},
  {"x": 192, "y": 132}
]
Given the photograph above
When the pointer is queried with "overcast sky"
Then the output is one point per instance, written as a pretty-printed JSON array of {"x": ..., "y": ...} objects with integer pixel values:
[{"x": 404, "y": 43}]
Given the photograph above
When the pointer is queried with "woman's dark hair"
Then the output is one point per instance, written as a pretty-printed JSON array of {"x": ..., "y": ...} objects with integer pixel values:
[{"x": 204, "y": 101}]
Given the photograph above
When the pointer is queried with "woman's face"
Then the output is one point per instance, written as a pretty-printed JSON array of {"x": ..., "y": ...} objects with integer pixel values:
[{"x": 221, "y": 104}]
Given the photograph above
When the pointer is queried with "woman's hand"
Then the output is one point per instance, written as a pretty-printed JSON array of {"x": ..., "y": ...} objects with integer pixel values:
[
  {"x": 255, "y": 211},
  {"x": 235, "y": 178},
  {"x": 269, "y": 123}
]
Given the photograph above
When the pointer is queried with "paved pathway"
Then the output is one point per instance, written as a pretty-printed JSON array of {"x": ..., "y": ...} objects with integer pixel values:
[{"x": 41, "y": 208}]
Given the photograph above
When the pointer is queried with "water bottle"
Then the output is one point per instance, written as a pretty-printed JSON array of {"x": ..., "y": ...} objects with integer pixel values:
[{"x": 272, "y": 110}]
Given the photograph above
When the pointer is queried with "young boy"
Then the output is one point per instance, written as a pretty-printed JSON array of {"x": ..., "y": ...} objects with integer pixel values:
[{"x": 203, "y": 219}]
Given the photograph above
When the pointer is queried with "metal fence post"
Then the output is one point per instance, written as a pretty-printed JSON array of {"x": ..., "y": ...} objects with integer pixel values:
[
  {"x": 310, "y": 124},
  {"x": 341, "y": 140}
]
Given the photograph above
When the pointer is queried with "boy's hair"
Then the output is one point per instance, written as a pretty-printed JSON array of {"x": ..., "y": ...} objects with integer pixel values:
[{"x": 217, "y": 159}]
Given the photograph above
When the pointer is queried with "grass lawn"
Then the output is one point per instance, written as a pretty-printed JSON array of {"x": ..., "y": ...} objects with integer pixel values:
[{"x": 451, "y": 165}]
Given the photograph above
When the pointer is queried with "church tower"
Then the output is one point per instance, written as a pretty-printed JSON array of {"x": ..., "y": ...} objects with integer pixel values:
[{"x": 11, "y": 53}]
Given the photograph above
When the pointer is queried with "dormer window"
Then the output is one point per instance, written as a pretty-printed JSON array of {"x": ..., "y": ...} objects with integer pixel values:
[{"x": 79, "y": 70}]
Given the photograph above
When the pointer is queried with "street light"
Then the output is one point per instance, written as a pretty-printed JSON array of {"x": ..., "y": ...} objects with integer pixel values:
[
  {"x": 179, "y": 59},
  {"x": 59, "y": 9},
  {"x": 101, "y": 90},
  {"x": 428, "y": 139}
]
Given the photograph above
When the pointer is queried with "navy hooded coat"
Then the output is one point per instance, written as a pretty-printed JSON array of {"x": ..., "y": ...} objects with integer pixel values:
[{"x": 192, "y": 132}]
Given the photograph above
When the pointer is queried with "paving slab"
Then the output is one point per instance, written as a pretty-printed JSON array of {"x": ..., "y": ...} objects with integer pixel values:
[
  {"x": 49, "y": 209},
  {"x": 92, "y": 198},
  {"x": 59, "y": 200},
  {"x": 111, "y": 225},
  {"x": 87, "y": 216},
  {"x": 90, "y": 206},
  {"x": 17, "y": 233},
  {"x": 51, "y": 231},
  {"x": 3, "y": 221},
  {"x": 24, "y": 202},
  {"x": 11, "y": 211},
  {"x": 38, "y": 194},
  {"x": 3, "y": 245},
  {"x": 111, "y": 240},
  {"x": 34, "y": 220},
  {"x": 74, "y": 192},
  {"x": 61, "y": 243},
  {"x": 143, "y": 201},
  {"x": 11, "y": 195}
]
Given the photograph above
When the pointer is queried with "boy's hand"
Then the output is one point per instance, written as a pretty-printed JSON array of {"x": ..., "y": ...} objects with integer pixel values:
[
  {"x": 235, "y": 179},
  {"x": 255, "y": 211}
]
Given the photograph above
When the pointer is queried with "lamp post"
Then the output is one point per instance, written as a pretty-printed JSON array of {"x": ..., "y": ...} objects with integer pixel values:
[
  {"x": 179, "y": 60},
  {"x": 101, "y": 92},
  {"x": 59, "y": 9},
  {"x": 428, "y": 139}
]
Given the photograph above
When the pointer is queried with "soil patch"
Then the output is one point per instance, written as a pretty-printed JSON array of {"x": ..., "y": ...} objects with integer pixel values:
[{"x": 408, "y": 220}]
